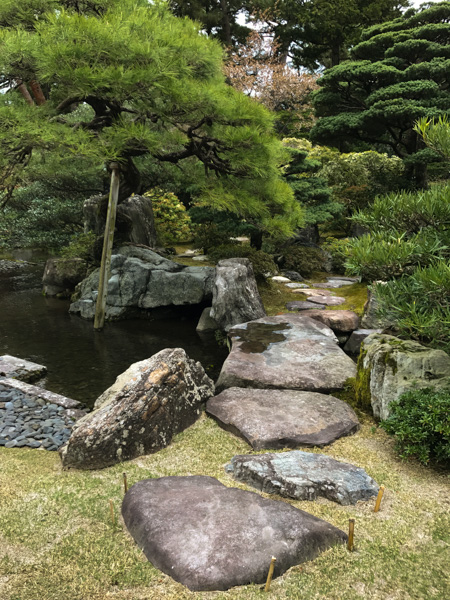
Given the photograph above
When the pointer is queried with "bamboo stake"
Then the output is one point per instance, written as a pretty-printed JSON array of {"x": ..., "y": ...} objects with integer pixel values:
[
  {"x": 108, "y": 240},
  {"x": 378, "y": 502},
  {"x": 111, "y": 511},
  {"x": 270, "y": 574},
  {"x": 125, "y": 483},
  {"x": 351, "y": 531}
]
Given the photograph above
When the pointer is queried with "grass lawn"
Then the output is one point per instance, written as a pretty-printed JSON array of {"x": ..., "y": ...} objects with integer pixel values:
[{"x": 57, "y": 540}]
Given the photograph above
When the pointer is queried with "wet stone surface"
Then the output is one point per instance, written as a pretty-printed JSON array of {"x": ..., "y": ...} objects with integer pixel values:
[{"x": 32, "y": 422}]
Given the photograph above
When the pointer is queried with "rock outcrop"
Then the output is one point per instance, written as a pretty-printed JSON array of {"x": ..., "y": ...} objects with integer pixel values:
[
  {"x": 389, "y": 367},
  {"x": 61, "y": 275},
  {"x": 286, "y": 352},
  {"x": 210, "y": 537},
  {"x": 140, "y": 280},
  {"x": 304, "y": 476},
  {"x": 282, "y": 418},
  {"x": 141, "y": 412},
  {"x": 236, "y": 297},
  {"x": 135, "y": 221}
]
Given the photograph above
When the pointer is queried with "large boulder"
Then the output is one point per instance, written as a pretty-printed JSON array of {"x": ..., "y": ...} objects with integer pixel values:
[
  {"x": 135, "y": 220},
  {"x": 235, "y": 294},
  {"x": 141, "y": 412},
  {"x": 282, "y": 418},
  {"x": 304, "y": 476},
  {"x": 389, "y": 367},
  {"x": 371, "y": 319},
  {"x": 286, "y": 352},
  {"x": 61, "y": 275},
  {"x": 210, "y": 537},
  {"x": 141, "y": 279}
]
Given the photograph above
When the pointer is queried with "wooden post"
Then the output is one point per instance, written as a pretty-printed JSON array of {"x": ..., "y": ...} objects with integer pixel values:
[
  {"x": 351, "y": 531},
  {"x": 108, "y": 241},
  {"x": 125, "y": 483},
  {"x": 378, "y": 502},
  {"x": 111, "y": 511},
  {"x": 270, "y": 574}
]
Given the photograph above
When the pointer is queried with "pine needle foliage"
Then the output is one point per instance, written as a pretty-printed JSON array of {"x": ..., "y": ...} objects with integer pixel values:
[{"x": 155, "y": 89}]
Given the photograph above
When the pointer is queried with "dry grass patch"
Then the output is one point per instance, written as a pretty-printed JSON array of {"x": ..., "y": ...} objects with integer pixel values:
[{"x": 58, "y": 542}]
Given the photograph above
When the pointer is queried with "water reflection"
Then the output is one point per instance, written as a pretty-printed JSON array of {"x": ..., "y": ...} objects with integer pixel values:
[{"x": 82, "y": 363}]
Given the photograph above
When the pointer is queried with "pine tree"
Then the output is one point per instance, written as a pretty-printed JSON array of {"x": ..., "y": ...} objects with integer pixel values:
[
  {"x": 400, "y": 74},
  {"x": 126, "y": 81}
]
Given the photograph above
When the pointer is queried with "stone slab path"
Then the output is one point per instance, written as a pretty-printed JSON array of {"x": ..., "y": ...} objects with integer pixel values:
[
  {"x": 285, "y": 352},
  {"x": 210, "y": 537},
  {"x": 304, "y": 476},
  {"x": 18, "y": 368},
  {"x": 282, "y": 418}
]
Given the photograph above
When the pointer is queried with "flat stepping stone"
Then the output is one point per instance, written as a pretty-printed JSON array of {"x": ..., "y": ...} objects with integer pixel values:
[
  {"x": 345, "y": 278},
  {"x": 327, "y": 300},
  {"x": 304, "y": 476},
  {"x": 333, "y": 283},
  {"x": 310, "y": 292},
  {"x": 18, "y": 368},
  {"x": 281, "y": 279},
  {"x": 340, "y": 321},
  {"x": 210, "y": 537},
  {"x": 282, "y": 418},
  {"x": 301, "y": 305},
  {"x": 287, "y": 351},
  {"x": 297, "y": 285}
]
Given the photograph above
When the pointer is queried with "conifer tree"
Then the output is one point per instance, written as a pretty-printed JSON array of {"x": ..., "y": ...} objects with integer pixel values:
[
  {"x": 400, "y": 74},
  {"x": 126, "y": 81}
]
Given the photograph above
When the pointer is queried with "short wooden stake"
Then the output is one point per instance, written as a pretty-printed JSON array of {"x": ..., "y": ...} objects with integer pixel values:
[
  {"x": 270, "y": 575},
  {"x": 351, "y": 531},
  {"x": 111, "y": 510},
  {"x": 125, "y": 483},
  {"x": 378, "y": 502}
]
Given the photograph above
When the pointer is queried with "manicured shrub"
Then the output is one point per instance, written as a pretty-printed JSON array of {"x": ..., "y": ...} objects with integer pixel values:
[
  {"x": 420, "y": 422},
  {"x": 263, "y": 264},
  {"x": 172, "y": 222},
  {"x": 304, "y": 259}
]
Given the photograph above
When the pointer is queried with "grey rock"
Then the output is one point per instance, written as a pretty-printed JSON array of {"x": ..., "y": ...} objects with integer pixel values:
[
  {"x": 206, "y": 322},
  {"x": 301, "y": 305},
  {"x": 282, "y": 418},
  {"x": 297, "y": 286},
  {"x": 370, "y": 318},
  {"x": 17, "y": 368},
  {"x": 304, "y": 476},
  {"x": 327, "y": 300},
  {"x": 39, "y": 395},
  {"x": 61, "y": 275},
  {"x": 236, "y": 297},
  {"x": 286, "y": 352},
  {"x": 292, "y": 275},
  {"x": 353, "y": 345},
  {"x": 141, "y": 412},
  {"x": 395, "y": 366},
  {"x": 210, "y": 537},
  {"x": 140, "y": 280}
]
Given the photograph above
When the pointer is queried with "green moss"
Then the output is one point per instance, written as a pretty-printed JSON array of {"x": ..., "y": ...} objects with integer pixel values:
[{"x": 362, "y": 383}]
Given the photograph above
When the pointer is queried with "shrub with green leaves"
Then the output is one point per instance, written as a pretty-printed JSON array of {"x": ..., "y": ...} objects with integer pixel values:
[
  {"x": 80, "y": 246},
  {"x": 419, "y": 304},
  {"x": 304, "y": 259},
  {"x": 263, "y": 263},
  {"x": 172, "y": 221},
  {"x": 420, "y": 422}
]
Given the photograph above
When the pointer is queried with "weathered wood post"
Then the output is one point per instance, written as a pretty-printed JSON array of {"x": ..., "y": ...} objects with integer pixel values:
[{"x": 108, "y": 240}]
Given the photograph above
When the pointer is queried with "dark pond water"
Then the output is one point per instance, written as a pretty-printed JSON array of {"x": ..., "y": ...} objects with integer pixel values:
[{"x": 82, "y": 363}]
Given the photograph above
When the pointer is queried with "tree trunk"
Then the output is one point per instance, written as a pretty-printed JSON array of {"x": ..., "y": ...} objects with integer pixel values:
[
  {"x": 108, "y": 241},
  {"x": 226, "y": 24},
  {"x": 37, "y": 92},
  {"x": 25, "y": 93}
]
